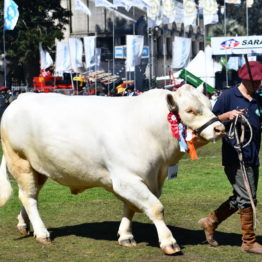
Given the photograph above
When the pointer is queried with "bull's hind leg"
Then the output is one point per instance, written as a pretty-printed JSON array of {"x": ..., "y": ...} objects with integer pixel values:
[
  {"x": 30, "y": 183},
  {"x": 134, "y": 191},
  {"x": 23, "y": 218},
  {"x": 126, "y": 237},
  {"x": 29, "y": 186},
  {"x": 23, "y": 222}
]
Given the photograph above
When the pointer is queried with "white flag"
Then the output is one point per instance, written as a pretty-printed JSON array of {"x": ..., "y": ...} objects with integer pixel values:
[
  {"x": 104, "y": 3},
  {"x": 45, "y": 58},
  {"x": 11, "y": 14},
  {"x": 127, "y": 4},
  {"x": 89, "y": 46},
  {"x": 233, "y": 63},
  {"x": 141, "y": 4},
  {"x": 179, "y": 11},
  {"x": 210, "y": 11},
  {"x": 134, "y": 49},
  {"x": 76, "y": 53},
  {"x": 181, "y": 52},
  {"x": 236, "y": 2},
  {"x": 168, "y": 11},
  {"x": 79, "y": 5},
  {"x": 62, "y": 61},
  {"x": 153, "y": 13},
  {"x": 190, "y": 12},
  {"x": 249, "y": 3}
]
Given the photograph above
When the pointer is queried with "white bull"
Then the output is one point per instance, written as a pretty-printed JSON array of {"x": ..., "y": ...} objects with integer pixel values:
[{"x": 122, "y": 144}]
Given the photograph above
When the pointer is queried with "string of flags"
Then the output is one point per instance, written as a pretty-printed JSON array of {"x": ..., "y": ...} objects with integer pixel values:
[
  {"x": 158, "y": 11},
  {"x": 168, "y": 11}
]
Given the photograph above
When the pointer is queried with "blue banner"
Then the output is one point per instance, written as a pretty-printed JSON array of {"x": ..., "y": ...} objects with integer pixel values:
[{"x": 11, "y": 14}]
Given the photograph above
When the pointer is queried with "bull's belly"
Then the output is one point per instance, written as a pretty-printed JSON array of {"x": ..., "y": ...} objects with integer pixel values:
[{"x": 78, "y": 178}]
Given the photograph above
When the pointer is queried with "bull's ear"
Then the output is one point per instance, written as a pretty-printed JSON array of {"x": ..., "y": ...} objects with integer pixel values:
[
  {"x": 201, "y": 88},
  {"x": 172, "y": 106}
]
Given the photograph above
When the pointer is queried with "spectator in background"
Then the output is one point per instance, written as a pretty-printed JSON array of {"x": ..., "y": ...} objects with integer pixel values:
[{"x": 5, "y": 99}]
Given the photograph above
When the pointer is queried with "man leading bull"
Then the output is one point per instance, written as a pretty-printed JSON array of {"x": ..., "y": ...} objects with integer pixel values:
[{"x": 240, "y": 100}]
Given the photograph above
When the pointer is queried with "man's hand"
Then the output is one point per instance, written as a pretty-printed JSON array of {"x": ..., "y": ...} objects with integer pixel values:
[{"x": 231, "y": 115}]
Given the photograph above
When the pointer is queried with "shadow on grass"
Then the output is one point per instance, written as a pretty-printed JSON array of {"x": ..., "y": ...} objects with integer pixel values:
[{"x": 144, "y": 232}]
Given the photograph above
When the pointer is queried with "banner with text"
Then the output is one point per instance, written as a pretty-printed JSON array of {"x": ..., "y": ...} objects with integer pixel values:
[{"x": 251, "y": 45}]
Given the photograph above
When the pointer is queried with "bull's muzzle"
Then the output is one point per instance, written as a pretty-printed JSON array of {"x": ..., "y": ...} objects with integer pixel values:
[{"x": 219, "y": 130}]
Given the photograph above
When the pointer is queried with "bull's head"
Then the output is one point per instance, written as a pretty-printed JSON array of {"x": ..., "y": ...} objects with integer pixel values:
[{"x": 195, "y": 112}]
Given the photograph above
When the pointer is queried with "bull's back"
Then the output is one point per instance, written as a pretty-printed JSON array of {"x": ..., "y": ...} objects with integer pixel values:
[
  {"x": 59, "y": 136},
  {"x": 74, "y": 140}
]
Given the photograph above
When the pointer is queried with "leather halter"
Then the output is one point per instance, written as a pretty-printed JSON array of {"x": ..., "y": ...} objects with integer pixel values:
[{"x": 208, "y": 123}]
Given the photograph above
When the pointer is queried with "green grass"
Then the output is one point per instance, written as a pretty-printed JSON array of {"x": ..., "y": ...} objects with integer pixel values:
[{"x": 84, "y": 227}]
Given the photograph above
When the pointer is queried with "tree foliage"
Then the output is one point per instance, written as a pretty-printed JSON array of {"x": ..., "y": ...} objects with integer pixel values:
[
  {"x": 233, "y": 28},
  {"x": 236, "y": 16},
  {"x": 39, "y": 21}
]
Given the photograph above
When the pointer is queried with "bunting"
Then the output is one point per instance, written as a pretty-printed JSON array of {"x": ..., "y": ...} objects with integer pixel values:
[
  {"x": 236, "y": 2},
  {"x": 168, "y": 11},
  {"x": 153, "y": 13},
  {"x": 249, "y": 3},
  {"x": 190, "y": 12},
  {"x": 104, "y": 3},
  {"x": 123, "y": 3},
  {"x": 79, "y": 5},
  {"x": 179, "y": 10},
  {"x": 210, "y": 9}
]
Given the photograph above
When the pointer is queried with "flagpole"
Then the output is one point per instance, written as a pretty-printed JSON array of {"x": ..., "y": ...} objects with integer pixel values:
[
  {"x": 135, "y": 65},
  {"x": 164, "y": 54},
  {"x": 152, "y": 55},
  {"x": 4, "y": 60},
  {"x": 247, "y": 22},
  {"x": 113, "y": 47},
  {"x": 225, "y": 34},
  {"x": 95, "y": 63}
]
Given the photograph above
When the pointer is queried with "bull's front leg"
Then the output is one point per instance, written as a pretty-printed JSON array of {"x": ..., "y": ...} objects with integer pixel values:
[
  {"x": 23, "y": 222},
  {"x": 138, "y": 194},
  {"x": 126, "y": 237}
]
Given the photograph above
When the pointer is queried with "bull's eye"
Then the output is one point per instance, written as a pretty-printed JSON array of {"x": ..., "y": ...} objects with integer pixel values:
[{"x": 189, "y": 111}]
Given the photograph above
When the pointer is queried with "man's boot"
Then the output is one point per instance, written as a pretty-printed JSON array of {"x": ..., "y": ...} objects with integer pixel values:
[
  {"x": 210, "y": 223},
  {"x": 249, "y": 243}
]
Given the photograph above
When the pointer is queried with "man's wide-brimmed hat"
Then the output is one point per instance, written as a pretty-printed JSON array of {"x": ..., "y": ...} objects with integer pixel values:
[{"x": 256, "y": 71}]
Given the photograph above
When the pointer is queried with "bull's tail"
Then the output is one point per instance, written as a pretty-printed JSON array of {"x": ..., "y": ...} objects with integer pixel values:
[{"x": 5, "y": 186}]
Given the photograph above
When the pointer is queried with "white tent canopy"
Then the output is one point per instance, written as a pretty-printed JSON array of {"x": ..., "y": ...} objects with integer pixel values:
[{"x": 203, "y": 66}]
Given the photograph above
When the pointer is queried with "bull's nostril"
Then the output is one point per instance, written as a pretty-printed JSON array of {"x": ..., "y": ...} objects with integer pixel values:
[{"x": 219, "y": 129}]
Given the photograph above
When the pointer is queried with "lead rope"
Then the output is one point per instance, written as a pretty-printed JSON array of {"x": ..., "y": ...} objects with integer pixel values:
[{"x": 239, "y": 146}]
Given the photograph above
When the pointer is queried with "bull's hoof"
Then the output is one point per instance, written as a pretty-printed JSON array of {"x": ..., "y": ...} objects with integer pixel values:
[
  {"x": 212, "y": 242},
  {"x": 127, "y": 242},
  {"x": 171, "y": 250},
  {"x": 24, "y": 230},
  {"x": 44, "y": 240}
]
